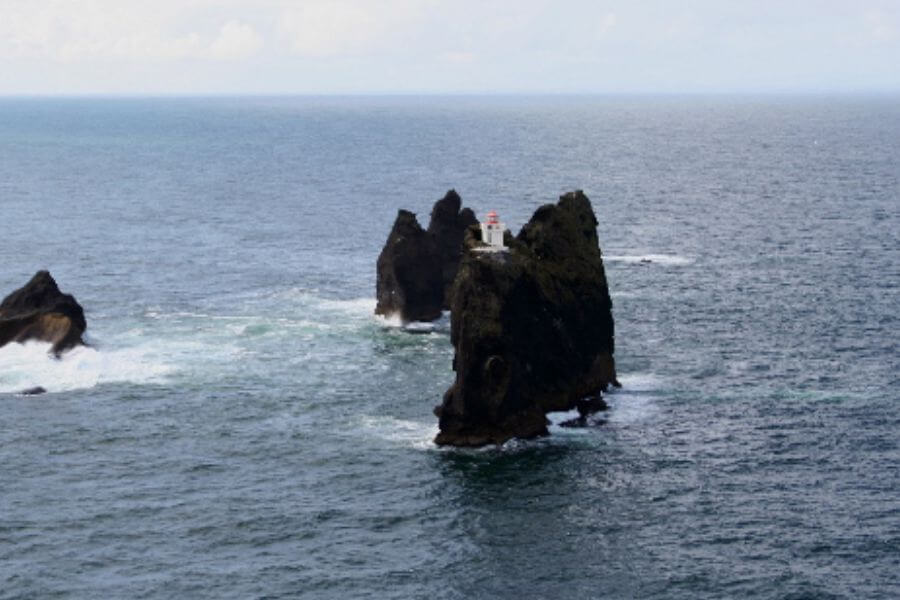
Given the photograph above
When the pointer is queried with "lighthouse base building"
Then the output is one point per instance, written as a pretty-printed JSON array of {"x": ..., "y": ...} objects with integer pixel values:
[{"x": 492, "y": 231}]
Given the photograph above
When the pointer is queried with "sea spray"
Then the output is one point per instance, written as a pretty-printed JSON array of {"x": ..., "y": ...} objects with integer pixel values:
[{"x": 29, "y": 365}]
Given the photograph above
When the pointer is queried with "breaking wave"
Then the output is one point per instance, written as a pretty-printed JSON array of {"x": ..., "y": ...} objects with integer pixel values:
[
  {"x": 29, "y": 365},
  {"x": 414, "y": 434}
]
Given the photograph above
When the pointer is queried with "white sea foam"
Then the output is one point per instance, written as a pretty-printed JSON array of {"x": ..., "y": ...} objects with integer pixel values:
[
  {"x": 392, "y": 320},
  {"x": 638, "y": 383},
  {"x": 635, "y": 401},
  {"x": 620, "y": 294},
  {"x": 355, "y": 306},
  {"x": 414, "y": 434},
  {"x": 669, "y": 260},
  {"x": 186, "y": 314},
  {"x": 557, "y": 418},
  {"x": 29, "y": 365}
]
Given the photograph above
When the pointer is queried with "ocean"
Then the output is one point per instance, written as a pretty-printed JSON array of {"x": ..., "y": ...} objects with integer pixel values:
[{"x": 242, "y": 425}]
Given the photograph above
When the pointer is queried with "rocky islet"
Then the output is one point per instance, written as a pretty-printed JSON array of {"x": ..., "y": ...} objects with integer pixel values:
[
  {"x": 417, "y": 267},
  {"x": 532, "y": 329},
  {"x": 40, "y": 311}
]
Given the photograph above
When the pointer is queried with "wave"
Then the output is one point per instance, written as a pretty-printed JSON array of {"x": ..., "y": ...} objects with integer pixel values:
[
  {"x": 633, "y": 383},
  {"x": 362, "y": 310},
  {"x": 392, "y": 321},
  {"x": 669, "y": 260},
  {"x": 354, "y": 306},
  {"x": 442, "y": 325},
  {"x": 24, "y": 366},
  {"x": 632, "y": 403},
  {"x": 439, "y": 325},
  {"x": 635, "y": 400},
  {"x": 156, "y": 346},
  {"x": 558, "y": 418},
  {"x": 414, "y": 434}
]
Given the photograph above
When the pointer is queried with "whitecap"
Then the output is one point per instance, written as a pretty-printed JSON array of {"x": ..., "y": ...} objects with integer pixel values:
[
  {"x": 29, "y": 365},
  {"x": 392, "y": 320},
  {"x": 441, "y": 325},
  {"x": 420, "y": 327},
  {"x": 414, "y": 434},
  {"x": 558, "y": 418},
  {"x": 639, "y": 382}
]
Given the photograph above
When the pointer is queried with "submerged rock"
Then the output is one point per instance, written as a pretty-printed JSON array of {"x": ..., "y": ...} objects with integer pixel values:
[
  {"x": 416, "y": 267},
  {"x": 34, "y": 391},
  {"x": 532, "y": 328},
  {"x": 39, "y": 311},
  {"x": 587, "y": 407}
]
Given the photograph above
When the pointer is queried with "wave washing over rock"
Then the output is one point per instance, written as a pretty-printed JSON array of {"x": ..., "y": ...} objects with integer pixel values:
[
  {"x": 25, "y": 368},
  {"x": 39, "y": 311}
]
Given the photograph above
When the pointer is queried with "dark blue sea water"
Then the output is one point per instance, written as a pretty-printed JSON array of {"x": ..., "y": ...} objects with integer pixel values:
[{"x": 243, "y": 427}]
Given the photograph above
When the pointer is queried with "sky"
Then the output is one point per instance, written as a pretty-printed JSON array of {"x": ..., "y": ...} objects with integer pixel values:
[{"x": 186, "y": 47}]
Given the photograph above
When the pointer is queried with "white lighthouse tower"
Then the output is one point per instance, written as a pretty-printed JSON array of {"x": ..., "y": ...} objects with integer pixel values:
[{"x": 492, "y": 231}]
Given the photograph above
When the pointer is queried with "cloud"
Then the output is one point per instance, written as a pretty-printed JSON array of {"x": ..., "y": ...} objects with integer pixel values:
[
  {"x": 235, "y": 40},
  {"x": 881, "y": 26},
  {"x": 607, "y": 22},
  {"x": 341, "y": 46},
  {"x": 458, "y": 57},
  {"x": 110, "y": 31},
  {"x": 330, "y": 28}
]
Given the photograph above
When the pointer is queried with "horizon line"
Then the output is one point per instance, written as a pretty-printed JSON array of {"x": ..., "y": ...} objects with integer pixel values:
[{"x": 460, "y": 94}]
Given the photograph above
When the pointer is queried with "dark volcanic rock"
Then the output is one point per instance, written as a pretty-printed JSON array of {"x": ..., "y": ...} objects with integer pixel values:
[
  {"x": 409, "y": 280},
  {"x": 532, "y": 328},
  {"x": 448, "y": 226},
  {"x": 35, "y": 391},
  {"x": 39, "y": 311},
  {"x": 416, "y": 268}
]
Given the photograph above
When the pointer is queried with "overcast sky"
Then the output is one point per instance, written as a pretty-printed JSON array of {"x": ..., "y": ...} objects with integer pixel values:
[{"x": 410, "y": 46}]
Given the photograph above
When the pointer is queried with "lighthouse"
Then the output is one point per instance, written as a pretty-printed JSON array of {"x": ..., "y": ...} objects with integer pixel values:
[{"x": 492, "y": 231}]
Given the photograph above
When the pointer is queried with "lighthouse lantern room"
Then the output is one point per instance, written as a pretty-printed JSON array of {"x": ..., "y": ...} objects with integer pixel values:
[{"x": 492, "y": 231}]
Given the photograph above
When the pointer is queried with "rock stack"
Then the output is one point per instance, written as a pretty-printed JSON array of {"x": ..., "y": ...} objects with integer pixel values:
[
  {"x": 416, "y": 268},
  {"x": 39, "y": 311},
  {"x": 531, "y": 326}
]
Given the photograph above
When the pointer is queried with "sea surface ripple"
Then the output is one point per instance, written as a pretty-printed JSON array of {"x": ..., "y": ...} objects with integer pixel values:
[{"x": 242, "y": 426}]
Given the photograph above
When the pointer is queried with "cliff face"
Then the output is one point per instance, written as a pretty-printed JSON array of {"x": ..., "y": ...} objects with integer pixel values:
[
  {"x": 39, "y": 311},
  {"x": 409, "y": 282},
  {"x": 532, "y": 328},
  {"x": 416, "y": 268}
]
